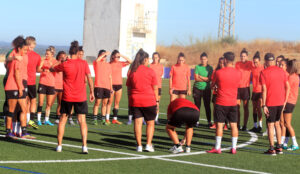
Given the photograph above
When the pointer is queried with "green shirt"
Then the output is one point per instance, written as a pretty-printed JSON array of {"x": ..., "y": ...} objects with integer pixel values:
[{"x": 204, "y": 71}]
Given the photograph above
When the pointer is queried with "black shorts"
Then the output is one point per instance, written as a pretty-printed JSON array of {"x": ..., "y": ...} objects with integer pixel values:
[
  {"x": 178, "y": 92},
  {"x": 44, "y": 89},
  {"x": 214, "y": 98},
  {"x": 226, "y": 113},
  {"x": 289, "y": 108},
  {"x": 59, "y": 90},
  {"x": 32, "y": 91},
  {"x": 243, "y": 93},
  {"x": 186, "y": 115},
  {"x": 79, "y": 107},
  {"x": 117, "y": 87},
  {"x": 14, "y": 94},
  {"x": 149, "y": 113},
  {"x": 25, "y": 87},
  {"x": 274, "y": 113},
  {"x": 101, "y": 93},
  {"x": 159, "y": 91},
  {"x": 256, "y": 96}
]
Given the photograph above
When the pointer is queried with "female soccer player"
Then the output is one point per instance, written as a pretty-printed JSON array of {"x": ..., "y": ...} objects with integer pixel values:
[
  {"x": 256, "y": 93},
  {"x": 103, "y": 84},
  {"x": 179, "y": 83},
  {"x": 181, "y": 111},
  {"x": 46, "y": 86},
  {"x": 116, "y": 66},
  {"x": 291, "y": 102},
  {"x": 143, "y": 98},
  {"x": 159, "y": 71},
  {"x": 75, "y": 72}
]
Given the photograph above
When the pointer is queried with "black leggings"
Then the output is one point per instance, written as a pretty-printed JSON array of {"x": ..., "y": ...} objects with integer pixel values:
[{"x": 206, "y": 95}]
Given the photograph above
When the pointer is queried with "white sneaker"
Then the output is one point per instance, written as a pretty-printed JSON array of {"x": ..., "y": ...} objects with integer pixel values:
[
  {"x": 57, "y": 121},
  {"x": 172, "y": 148},
  {"x": 71, "y": 122},
  {"x": 58, "y": 148},
  {"x": 85, "y": 150},
  {"x": 139, "y": 148},
  {"x": 187, "y": 149},
  {"x": 177, "y": 149},
  {"x": 149, "y": 148}
]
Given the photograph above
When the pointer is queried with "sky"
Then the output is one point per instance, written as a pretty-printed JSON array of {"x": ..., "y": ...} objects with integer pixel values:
[{"x": 57, "y": 22}]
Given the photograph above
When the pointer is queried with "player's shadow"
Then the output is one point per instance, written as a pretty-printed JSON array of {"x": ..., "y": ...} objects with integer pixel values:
[{"x": 26, "y": 143}]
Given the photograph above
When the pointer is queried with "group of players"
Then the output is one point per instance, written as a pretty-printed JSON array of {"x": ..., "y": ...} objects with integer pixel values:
[{"x": 275, "y": 91}]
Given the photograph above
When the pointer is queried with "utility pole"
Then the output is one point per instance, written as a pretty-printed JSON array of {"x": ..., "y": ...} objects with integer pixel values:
[{"x": 226, "y": 19}]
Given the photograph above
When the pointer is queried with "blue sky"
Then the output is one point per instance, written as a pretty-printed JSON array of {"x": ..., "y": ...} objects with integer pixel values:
[{"x": 57, "y": 22}]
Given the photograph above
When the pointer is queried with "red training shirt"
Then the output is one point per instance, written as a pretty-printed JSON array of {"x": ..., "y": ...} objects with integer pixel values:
[
  {"x": 159, "y": 71},
  {"x": 47, "y": 78},
  {"x": 116, "y": 68},
  {"x": 11, "y": 83},
  {"x": 294, "y": 88},
  {"x": 245, "y": 69},
  {"x": 103, "y": 74},
  {"x": 180, "y": 103},
  {"x": 34, "y": 60},
  {"x": 257, "y": 88},
  {"x": 180, "y": 75}
]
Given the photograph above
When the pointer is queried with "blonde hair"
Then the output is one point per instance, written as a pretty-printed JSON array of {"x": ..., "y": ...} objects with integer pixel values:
[
  {"x": 29, "y": 40},
  {"x": 51, "y": 49}
]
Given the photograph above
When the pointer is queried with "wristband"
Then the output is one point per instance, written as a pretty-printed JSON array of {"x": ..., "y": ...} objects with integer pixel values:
[{"x": 157, "y": 101}]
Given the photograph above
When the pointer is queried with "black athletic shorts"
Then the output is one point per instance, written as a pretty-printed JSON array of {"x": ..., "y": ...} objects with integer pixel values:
[
  {"x": 32, "y": 91},
  {"x": 101, "y": 93},
  {"x": 178, "y": 92},
  {"x": 159, "y": 91},
  {"x": 226, "y": 113},
  {"x": 289, "y": 108},
  {"x": 149, "y": 113},
  {"x": 79, "y": 107},
  {"x": 243, "y": 93},
  {"x": 44, "y": 89},
  {"x": 274, "y": 113},
  {"x": 214, "y": 98},
  {"x": 59, "y": 90},
  {"x": 186, "y": 115},
  {"x": 25, "y": 87},
  {"x": 256, "y": 96},
  {"x": 14, "y": 94},
  {"x": 117, "y": 87}
]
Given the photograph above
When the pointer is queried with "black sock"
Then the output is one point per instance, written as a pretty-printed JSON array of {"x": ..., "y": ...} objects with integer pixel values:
[
  {"x": 187, "y": 146},
  {"x": 255, "y": 117},
  {"x": 115, "y": 112},
  {"x": 24, "y": 131},
  {"x": 32, "y": 115}
]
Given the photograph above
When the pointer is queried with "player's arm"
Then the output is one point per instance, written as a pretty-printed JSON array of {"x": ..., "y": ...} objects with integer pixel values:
[
  {"x": 19, "y": 82},
  {"x": 264, "y": 99},
  {"x": 91, "y": 85},
  {"x": 102, "y": 56},
  {"x": 189, "y": 84},
  {"x": 170, "y": 85},
  {"x": 287, "y": 92},
  {"x": 155, "y": 88},
  {"x": 39, "y": 69},
  {"x": 126, "y": 58},
  {"x": 197, "y": 78}
]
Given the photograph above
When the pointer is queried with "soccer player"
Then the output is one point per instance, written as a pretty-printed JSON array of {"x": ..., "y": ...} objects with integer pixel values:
[
  {"x": 34, "y": 60},
  {"x": 75, "y": 71},
  {"x": 116, "y": 66},
  {"x": 257, "y": 93},
  {"x": 143, "y": 98},
  {"x": 159, "y": 71},
  {"x": 275, "y": 94},
  {"x": 181, "y": 111},
  {"x": 201, "y": 88},
  {"x": 243, "y": 96},
  {"x": 293, "y": 80},
  {"x": 279, "y": 59},
  {"x": 46, "y": 86},
  {"x": 103, "y": 84},
  {"x": 180, "y": 83},
  {"x": 227, "y": 80}
]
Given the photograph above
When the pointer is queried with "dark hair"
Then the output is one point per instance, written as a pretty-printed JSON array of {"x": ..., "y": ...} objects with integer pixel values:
[
  {"x": 244, "y": 51},
  {"x": 229, "y": 56},
  {"x": 292, "y": 66},
  {"x": 219, "y": 66},
  {"x": 269, "y": 57},
  {"x": 59, "y": 54},
  {"x": 80, "y": 48},
  {"x": 100, "y": 52},
  {"x": 285, "y": 60},
  {"x": 112, "y": 56},
  {"x": 203, "y": 55},
  {"x": 19, "y": 42},
  {"x": 280, "y": 56},
  {"x": 140, "y": 56},
  {"x": 256, "y": 55},
  {"x": 74, "y": 48},
  {"x": 180, "y": 55},
  {"x": 156, "y": 53}
]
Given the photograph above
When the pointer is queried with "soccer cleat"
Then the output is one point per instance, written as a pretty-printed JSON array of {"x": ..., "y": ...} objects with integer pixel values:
[
  {"x": 48, "y": 123},
  {"x": 233, "y": 150},
  {"x": 139, "y": 148},
  {"x": 259, "y": 129},
  {"x": 176, "y": 149},
  {"x": 149, "y": 148},
  {"x": 106, "y": 122},
  {"x": 39, "y": 123},
  {"x": 27, "y": 136},
  {"x": 116, "y": 122},
  {"x": 214, "y": 126},
  {"x": 293, "y": 148},
  {"x": 56, "y": 121},
  {"x": 32, "y": 124},
  {"x": 279, "y": 149},
  {"x": 285, "y": 147},
  {"x": 270, "y": 152},
  {"x": 213, "y": 150},
  {"x": 225, "y": 127},
  {"x": 71, "y": 122},
  {"x": 95, "y": 122},
  {"x": 254, "y": 129},
  {"x": 58, "y": 149},
  {"x": 244, "y": 128},
  {"x": 85, "y": 150},
  {"x": 11, "y": 135},
  {"x": 129, "y": 122},
  {"x": 187, "y": 149}
]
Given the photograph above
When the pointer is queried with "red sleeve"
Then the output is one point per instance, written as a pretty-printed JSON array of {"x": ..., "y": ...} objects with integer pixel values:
[
  {"x": 87, "y": 69},
  {"x": 262, "y": 78},
  {"x": 188, "y": 72},
  {"x": 59, "y": 68},
  {"x": 172, "y": 71},
  {"x": 39, "y": 60},
  {"x": 124, "y": 64},
  {"x": 236, "y": 65}
]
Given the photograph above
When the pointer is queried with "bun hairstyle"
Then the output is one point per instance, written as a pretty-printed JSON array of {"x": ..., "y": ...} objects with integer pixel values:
[
  {"x": 203, "y": 55},
  {"x": 80, "y": 48},
  {"x": 244, "y": 51},
  {"x": 256, "y": 55},
  {"x": 51, "y": 49},
  {"x": 292, "y": 66},
  {"x": 180, "y": 55},
  {"x": 74, "y": 48},
  {"x": 100, "y": 52},
  {"x": 19, "y": 42},
  {"x": 59, "y": 54},
  {"x": 139, "y": 59},
  {"x": 113, "y": 55}
]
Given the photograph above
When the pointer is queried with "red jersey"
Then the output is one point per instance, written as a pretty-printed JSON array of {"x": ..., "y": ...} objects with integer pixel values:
[
  {"x": 58, "y": 80},
  {"x": 11, "y": 83},
  {"x": 294, "y": 88},
  {"x": 180, "y": 75},
  {"x": 212, "y": 79},
  {"x": 257, "y": 88},
  {"x": 275, "y": 79},
  {"x": 140, "y": 84},
  {"x": 180, "y": 103},
  {"x": 159, "y": 71},
  {"x": 74, "y": 73},
  {"x": 47, "y": 78},
  {"x": 245, "y": 69},
  {"x": 116, "y": 68},
  {"x": 34, "y": 60},
  {"x": 103, "y": 74},
  {"x": 227, "y": 79},
  {"x": 24, "y": 63}
]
